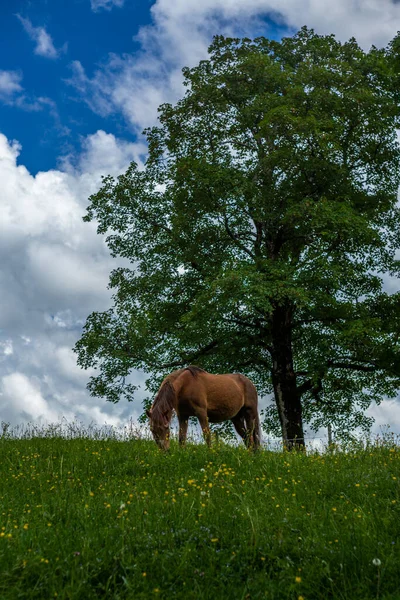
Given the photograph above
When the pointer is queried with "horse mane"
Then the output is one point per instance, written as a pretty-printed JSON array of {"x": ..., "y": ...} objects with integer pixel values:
[
  {"x": 194, "y": 370},
  {"x": 163, "y": 403}
]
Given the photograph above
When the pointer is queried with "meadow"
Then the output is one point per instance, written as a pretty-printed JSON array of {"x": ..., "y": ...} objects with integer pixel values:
[{"x": 83, "y": 518}]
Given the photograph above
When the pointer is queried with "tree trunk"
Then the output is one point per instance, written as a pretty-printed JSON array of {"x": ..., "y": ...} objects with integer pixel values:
[{"x": 288, "y": 400}]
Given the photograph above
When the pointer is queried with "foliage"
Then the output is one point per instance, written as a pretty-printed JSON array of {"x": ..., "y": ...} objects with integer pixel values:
[
  {"x": 91, "y": 519},
  {"x": 261, "y": 230}
]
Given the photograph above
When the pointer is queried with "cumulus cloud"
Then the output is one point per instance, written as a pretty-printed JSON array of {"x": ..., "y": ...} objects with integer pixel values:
[
  {"x": 44, "y": 42},
  {"x": 54, "y": 271},
  {"x": 97, "y": 5},
  {"x": 23, "y": 397},
  {"x": 103, "y": 153},
  {"x": 135, "y": 85},
  {"x": 387, "y": 414},
  {"x": 373, "y": 22}
]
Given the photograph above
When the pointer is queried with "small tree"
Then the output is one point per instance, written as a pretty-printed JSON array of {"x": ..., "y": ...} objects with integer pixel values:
[{"x": 260, "y": 231}]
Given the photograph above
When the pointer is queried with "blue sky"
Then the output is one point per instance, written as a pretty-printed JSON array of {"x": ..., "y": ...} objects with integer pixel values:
[
  {"x": 79, "y": 81},
  {"x": 79, "y": 33}
]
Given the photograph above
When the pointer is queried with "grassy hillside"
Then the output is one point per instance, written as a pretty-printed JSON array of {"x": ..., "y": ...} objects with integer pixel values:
[{"x": 92, "y": 519}]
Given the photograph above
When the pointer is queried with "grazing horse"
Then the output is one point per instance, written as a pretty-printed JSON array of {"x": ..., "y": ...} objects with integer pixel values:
[{"x": 192, "y": 392}]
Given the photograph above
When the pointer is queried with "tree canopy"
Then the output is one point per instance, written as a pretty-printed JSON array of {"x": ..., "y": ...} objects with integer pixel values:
[{"x": 261, "y": 232}]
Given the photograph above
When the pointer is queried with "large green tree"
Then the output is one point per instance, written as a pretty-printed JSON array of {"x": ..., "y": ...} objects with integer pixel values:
[{"x": 261, "y": 230}]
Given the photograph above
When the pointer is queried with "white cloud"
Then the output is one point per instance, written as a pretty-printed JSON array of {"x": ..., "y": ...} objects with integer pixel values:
[
  {"x": 44, "y": 42},
  {"x": 65, "y": 364},
  {"x": 6, "y": 348},
  {"x": 26, "y": 399},
  {"x": 12, "y": 93},
  {"x": 54, "y": 272},
  {"x": 103, "y": 154},
  {"x": 386, "y": 414},
  {"x": 22, "y": 397},
  {"x": 97, "y": 5},
  {"x": 10, "y": 85},
  {"x": 372, "y": 22},
  {"x": 135, "y": 85}
]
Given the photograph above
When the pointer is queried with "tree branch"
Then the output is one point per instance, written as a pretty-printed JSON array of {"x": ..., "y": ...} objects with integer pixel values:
[
  {"x": 236, "y": 240},
  {"x": 352, "y": 366},
  {"x": 310, "y": 386},
  {"x": 189, "y": 359}
]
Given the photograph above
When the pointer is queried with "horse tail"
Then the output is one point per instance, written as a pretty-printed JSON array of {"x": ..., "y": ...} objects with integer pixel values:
[
  {"x": 251, "y": 400},
  {"x": 252, "y": 393},
  {"x": 164, "y": 403}
]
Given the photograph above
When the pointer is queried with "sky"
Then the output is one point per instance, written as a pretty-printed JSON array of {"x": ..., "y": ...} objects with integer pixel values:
[{"x": 79, "y": 81}]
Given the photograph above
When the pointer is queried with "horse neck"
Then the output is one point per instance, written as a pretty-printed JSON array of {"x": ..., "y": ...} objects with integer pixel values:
[
  {"x": 176, "y": 381},
  {"x": 165, "y": 401}
]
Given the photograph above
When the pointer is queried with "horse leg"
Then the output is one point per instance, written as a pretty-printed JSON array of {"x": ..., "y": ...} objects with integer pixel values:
[
  {"x": 203, "y": 420},
  {"x": 252, "y": 425},
  {"x": 239, "y": 425},
  {"x": 183, "y": 427}
]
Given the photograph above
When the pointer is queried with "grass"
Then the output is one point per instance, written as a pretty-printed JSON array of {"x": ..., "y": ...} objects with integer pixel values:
[{"x": 87, "y": 519}]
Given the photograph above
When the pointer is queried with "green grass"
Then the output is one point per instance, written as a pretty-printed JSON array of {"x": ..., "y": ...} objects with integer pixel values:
[{"x": 110, "y": 519}]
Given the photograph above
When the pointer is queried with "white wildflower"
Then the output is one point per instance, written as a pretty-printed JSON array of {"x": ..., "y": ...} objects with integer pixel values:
[{"x": 376, "y": 562}]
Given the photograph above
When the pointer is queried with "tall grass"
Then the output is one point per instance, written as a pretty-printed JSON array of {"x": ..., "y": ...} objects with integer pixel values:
[{"x": 86, "y": 518}]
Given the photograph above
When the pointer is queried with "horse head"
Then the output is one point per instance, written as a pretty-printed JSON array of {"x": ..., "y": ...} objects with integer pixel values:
[{"x": 159, "y": 427}]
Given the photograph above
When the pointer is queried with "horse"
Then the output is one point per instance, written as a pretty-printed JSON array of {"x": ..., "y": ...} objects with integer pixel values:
[{"x": 192, "y": 392}]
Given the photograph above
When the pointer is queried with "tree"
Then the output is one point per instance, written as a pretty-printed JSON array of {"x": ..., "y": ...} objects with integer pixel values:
[{"x": 260, "y": 231}]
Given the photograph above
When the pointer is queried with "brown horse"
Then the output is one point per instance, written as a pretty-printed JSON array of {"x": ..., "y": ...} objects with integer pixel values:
[{"x": 192, "y": 392}]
